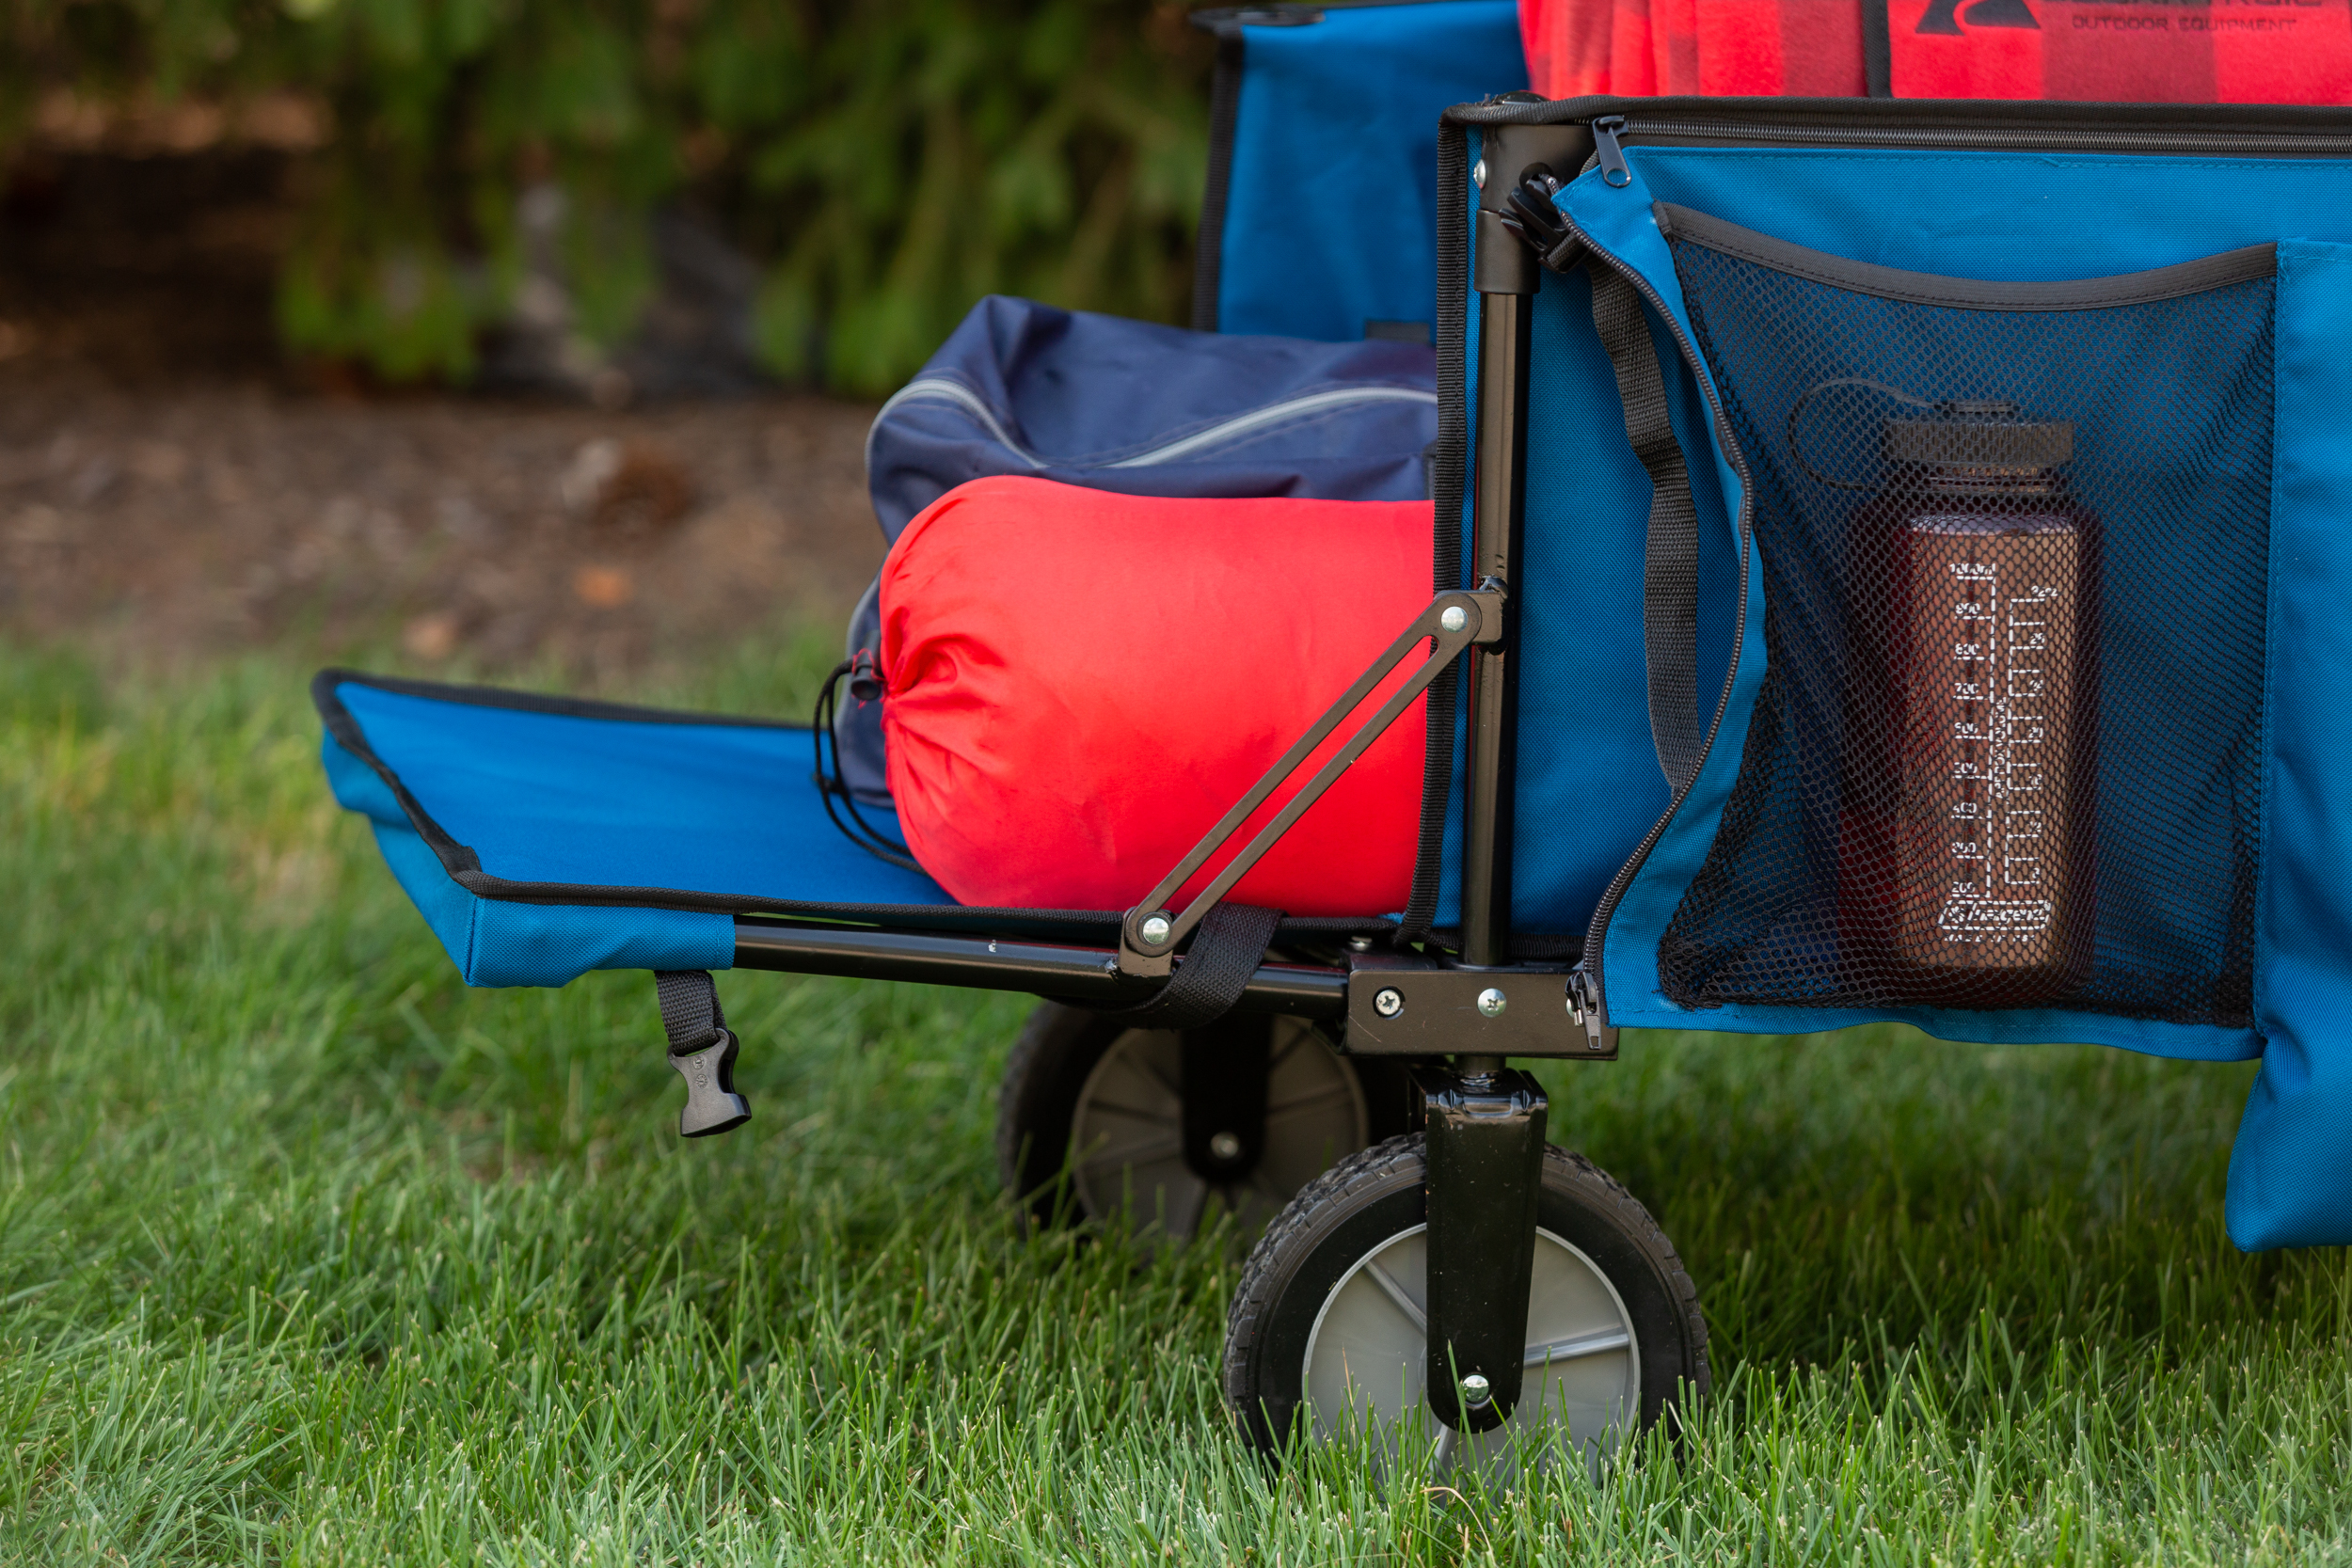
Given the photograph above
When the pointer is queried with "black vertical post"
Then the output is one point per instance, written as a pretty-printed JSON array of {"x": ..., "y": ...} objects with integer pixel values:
[
  {"x": 1486, "y": 1125},
  {"x": 1498, "y": 514},
  {"x": 1505, "y": 274}
]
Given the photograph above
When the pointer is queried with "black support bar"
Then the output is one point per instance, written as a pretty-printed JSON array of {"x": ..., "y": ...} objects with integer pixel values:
[
  {"x": 1083, "y": 974},
  {"x": 1454, "y": 621}
]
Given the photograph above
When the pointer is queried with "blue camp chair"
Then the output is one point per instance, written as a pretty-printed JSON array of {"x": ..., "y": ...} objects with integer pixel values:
[{"x": 1853, "y": 599}]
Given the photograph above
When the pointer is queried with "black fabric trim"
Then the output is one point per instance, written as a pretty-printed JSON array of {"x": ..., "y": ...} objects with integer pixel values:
[
  {"x": 2005, "y": 119},
  {"x": 1968, "y": 293},
  {"x": 1878, "y": 51},
  {"x": 464, "y": 866},
  {"x": 1225, "y": 21},
  {"x": 1208, "y": 255},
  {"x": 1526, "y": 946},
  {"x": 323, "y": 683},
  {"x": 1449, "y": 465}
]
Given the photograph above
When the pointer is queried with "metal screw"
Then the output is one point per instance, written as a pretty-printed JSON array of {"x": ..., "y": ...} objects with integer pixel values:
[
  {"x": 1155, "y": 929},
  {"x": 1388, "y": 1002},
  {"x": 1476, "y": 1391},
  {"x": 1491, "y": 1002},
  {"x": 1360, "y": 945},
  {"x": 1226, "y": 1145},
  {"x": 1478, "y": 174},
  {"x": 1453, "y": 617}
]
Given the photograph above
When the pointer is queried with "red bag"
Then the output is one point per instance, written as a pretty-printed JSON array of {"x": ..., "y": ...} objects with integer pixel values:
[
  {"x": 2123, "y": 51},
  {"x": 2109, "y": 51},
  {"x": 1078, "y": 684}
]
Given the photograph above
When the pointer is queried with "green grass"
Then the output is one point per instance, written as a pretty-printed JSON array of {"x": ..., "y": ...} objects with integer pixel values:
[{"x": 308, "y": 1254}]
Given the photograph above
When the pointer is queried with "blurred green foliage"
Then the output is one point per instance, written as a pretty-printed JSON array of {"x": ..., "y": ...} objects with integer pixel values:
[{"x": 886, "y": 161}]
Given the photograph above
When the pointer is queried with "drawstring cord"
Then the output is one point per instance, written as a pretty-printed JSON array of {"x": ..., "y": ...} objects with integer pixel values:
[{"x": 865, "y": 686}]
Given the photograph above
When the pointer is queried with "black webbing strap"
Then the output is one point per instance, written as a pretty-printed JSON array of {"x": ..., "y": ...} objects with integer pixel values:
[
  {"x": 703, "y": 1050},
  {"x": 1670, "y": 572},
  {"x": 1227, "y": 947},
  {"x": 690, "y": 1008}
]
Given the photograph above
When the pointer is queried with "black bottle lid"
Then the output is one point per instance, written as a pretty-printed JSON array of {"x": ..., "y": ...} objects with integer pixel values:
[{"x": 1980, "y": 433}]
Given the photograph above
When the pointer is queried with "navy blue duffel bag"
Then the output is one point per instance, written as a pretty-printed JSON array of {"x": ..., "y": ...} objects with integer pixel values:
[{"x": 1147, "y": 410}]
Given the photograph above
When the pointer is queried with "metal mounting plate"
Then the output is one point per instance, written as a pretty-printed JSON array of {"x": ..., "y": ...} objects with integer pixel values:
[{"x": 1431, "y": 1010}]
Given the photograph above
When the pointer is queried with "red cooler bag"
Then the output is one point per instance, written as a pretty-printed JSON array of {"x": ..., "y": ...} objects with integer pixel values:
[{"x": 1078, "y": 683}]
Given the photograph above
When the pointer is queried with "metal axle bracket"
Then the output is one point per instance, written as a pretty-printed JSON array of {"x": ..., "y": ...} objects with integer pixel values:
[
  {"x": 1486, "y": 1140},
  {"x": 1408, "y": 1004}
]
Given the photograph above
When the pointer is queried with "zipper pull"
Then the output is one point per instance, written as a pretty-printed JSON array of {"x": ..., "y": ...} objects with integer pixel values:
[
  {"x": 1605, "y": 134},
  {"x": 1585, "y": 1009}
]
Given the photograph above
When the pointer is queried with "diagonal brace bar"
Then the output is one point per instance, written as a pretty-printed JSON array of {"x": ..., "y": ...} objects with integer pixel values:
[{"x": 1457, "y": 620}]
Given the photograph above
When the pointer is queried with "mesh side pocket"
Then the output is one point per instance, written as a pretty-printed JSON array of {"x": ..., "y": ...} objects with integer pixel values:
[{"x": 2014, "y": 541}]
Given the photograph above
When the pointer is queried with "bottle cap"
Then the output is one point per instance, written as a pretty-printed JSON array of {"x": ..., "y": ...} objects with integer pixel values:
[{"x": 1980, "y": 433}]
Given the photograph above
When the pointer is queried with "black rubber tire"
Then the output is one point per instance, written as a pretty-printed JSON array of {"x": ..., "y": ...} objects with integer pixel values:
[
  {"x": 1059, "y": 1047},
  {"x": 1368, "y": 1197}
]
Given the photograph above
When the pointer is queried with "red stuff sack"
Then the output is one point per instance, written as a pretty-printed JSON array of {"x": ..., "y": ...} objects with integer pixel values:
[
  {"x": 1078, "y": 685},
  {"x": 2110, "y": 51}
]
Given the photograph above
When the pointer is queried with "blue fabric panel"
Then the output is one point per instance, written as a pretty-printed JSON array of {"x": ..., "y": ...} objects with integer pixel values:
[
  {"x": 2004, "y": 215},
  {"x": 717, "y": 809},
  {"x": 1330, "y": 218},
  {"x": 2291, "y": 1174},
  {"x": 1024, "y": 388},
  {"x": 494, "y": 943},
  {"x": 1912, "y": 217},
  {"x": 600, "y": 802}
]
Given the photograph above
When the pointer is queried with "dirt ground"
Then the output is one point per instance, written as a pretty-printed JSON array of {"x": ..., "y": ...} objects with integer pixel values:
[
  {"x": 171, "y": 485},
  {"x": 162, "y": 521}
]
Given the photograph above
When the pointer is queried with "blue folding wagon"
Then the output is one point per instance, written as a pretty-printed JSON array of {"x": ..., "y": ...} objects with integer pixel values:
[{"x": 1888, "y": 567}]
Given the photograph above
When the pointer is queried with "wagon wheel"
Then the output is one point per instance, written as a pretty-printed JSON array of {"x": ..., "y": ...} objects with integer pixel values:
[
  {"x": 1326, "y": 1330},
  {"x": 1093, "y": 1120}
]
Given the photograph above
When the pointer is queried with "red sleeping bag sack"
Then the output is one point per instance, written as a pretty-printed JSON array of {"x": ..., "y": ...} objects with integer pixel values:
[
  {"x": 1078, "y": 683},
  {"x": 2101, "y": 50}
]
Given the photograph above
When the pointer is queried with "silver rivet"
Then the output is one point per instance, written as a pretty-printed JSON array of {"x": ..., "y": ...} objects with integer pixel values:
[
  {"x": 1360, "y": 945},
  {"x": 1491, "y": 1002},
  {"x": 1155, "y": 929},
  {"x": 1226, "y": 1145},
  {"x": 1478, "y": 174},
  {"x": 1453, "y": 617},
  {"x": 1476, "y": 1391},
  {"x": 1389, "y": 1003}
]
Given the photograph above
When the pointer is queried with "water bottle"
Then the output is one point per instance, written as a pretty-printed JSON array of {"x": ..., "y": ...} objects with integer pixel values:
[{"x": 1967, "y": 864}]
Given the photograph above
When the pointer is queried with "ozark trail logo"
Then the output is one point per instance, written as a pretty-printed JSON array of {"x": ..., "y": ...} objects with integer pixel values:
[{"x": 1946, "y": 16}]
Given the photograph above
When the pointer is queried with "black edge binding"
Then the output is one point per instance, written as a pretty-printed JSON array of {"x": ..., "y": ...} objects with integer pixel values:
[
  {"x": 1968, "y": 293},
  {"x": 464, "y": 866},
  {"x": 1208, "y": 253}
]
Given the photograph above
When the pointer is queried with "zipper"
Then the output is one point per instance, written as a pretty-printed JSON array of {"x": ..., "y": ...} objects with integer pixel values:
[
  {"x": 1610, "y": 151},
  {"x": 1609, "y": 129},
  {"x": 1272, "y": 414},
  {"x": 941, "y": 388},
  {"x": 1588, "y": 990}
]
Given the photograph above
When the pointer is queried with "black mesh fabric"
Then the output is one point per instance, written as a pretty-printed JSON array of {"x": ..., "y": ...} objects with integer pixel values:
[{"x": 2007, "y": 752}]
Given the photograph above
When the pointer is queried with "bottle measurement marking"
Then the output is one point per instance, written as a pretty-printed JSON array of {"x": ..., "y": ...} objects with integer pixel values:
[{"x": 1999, "y": 731}]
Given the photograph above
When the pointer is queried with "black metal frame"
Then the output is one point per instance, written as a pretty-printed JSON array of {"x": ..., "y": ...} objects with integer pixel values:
[{"x": 1485, "y": 1123}]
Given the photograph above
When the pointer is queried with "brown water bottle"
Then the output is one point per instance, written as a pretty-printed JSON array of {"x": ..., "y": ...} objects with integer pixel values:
[{"x": 1968, "y": 832}]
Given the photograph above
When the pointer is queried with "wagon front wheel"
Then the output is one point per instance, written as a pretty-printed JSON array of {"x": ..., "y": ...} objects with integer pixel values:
[{"x": 1328, "y": 1331}]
